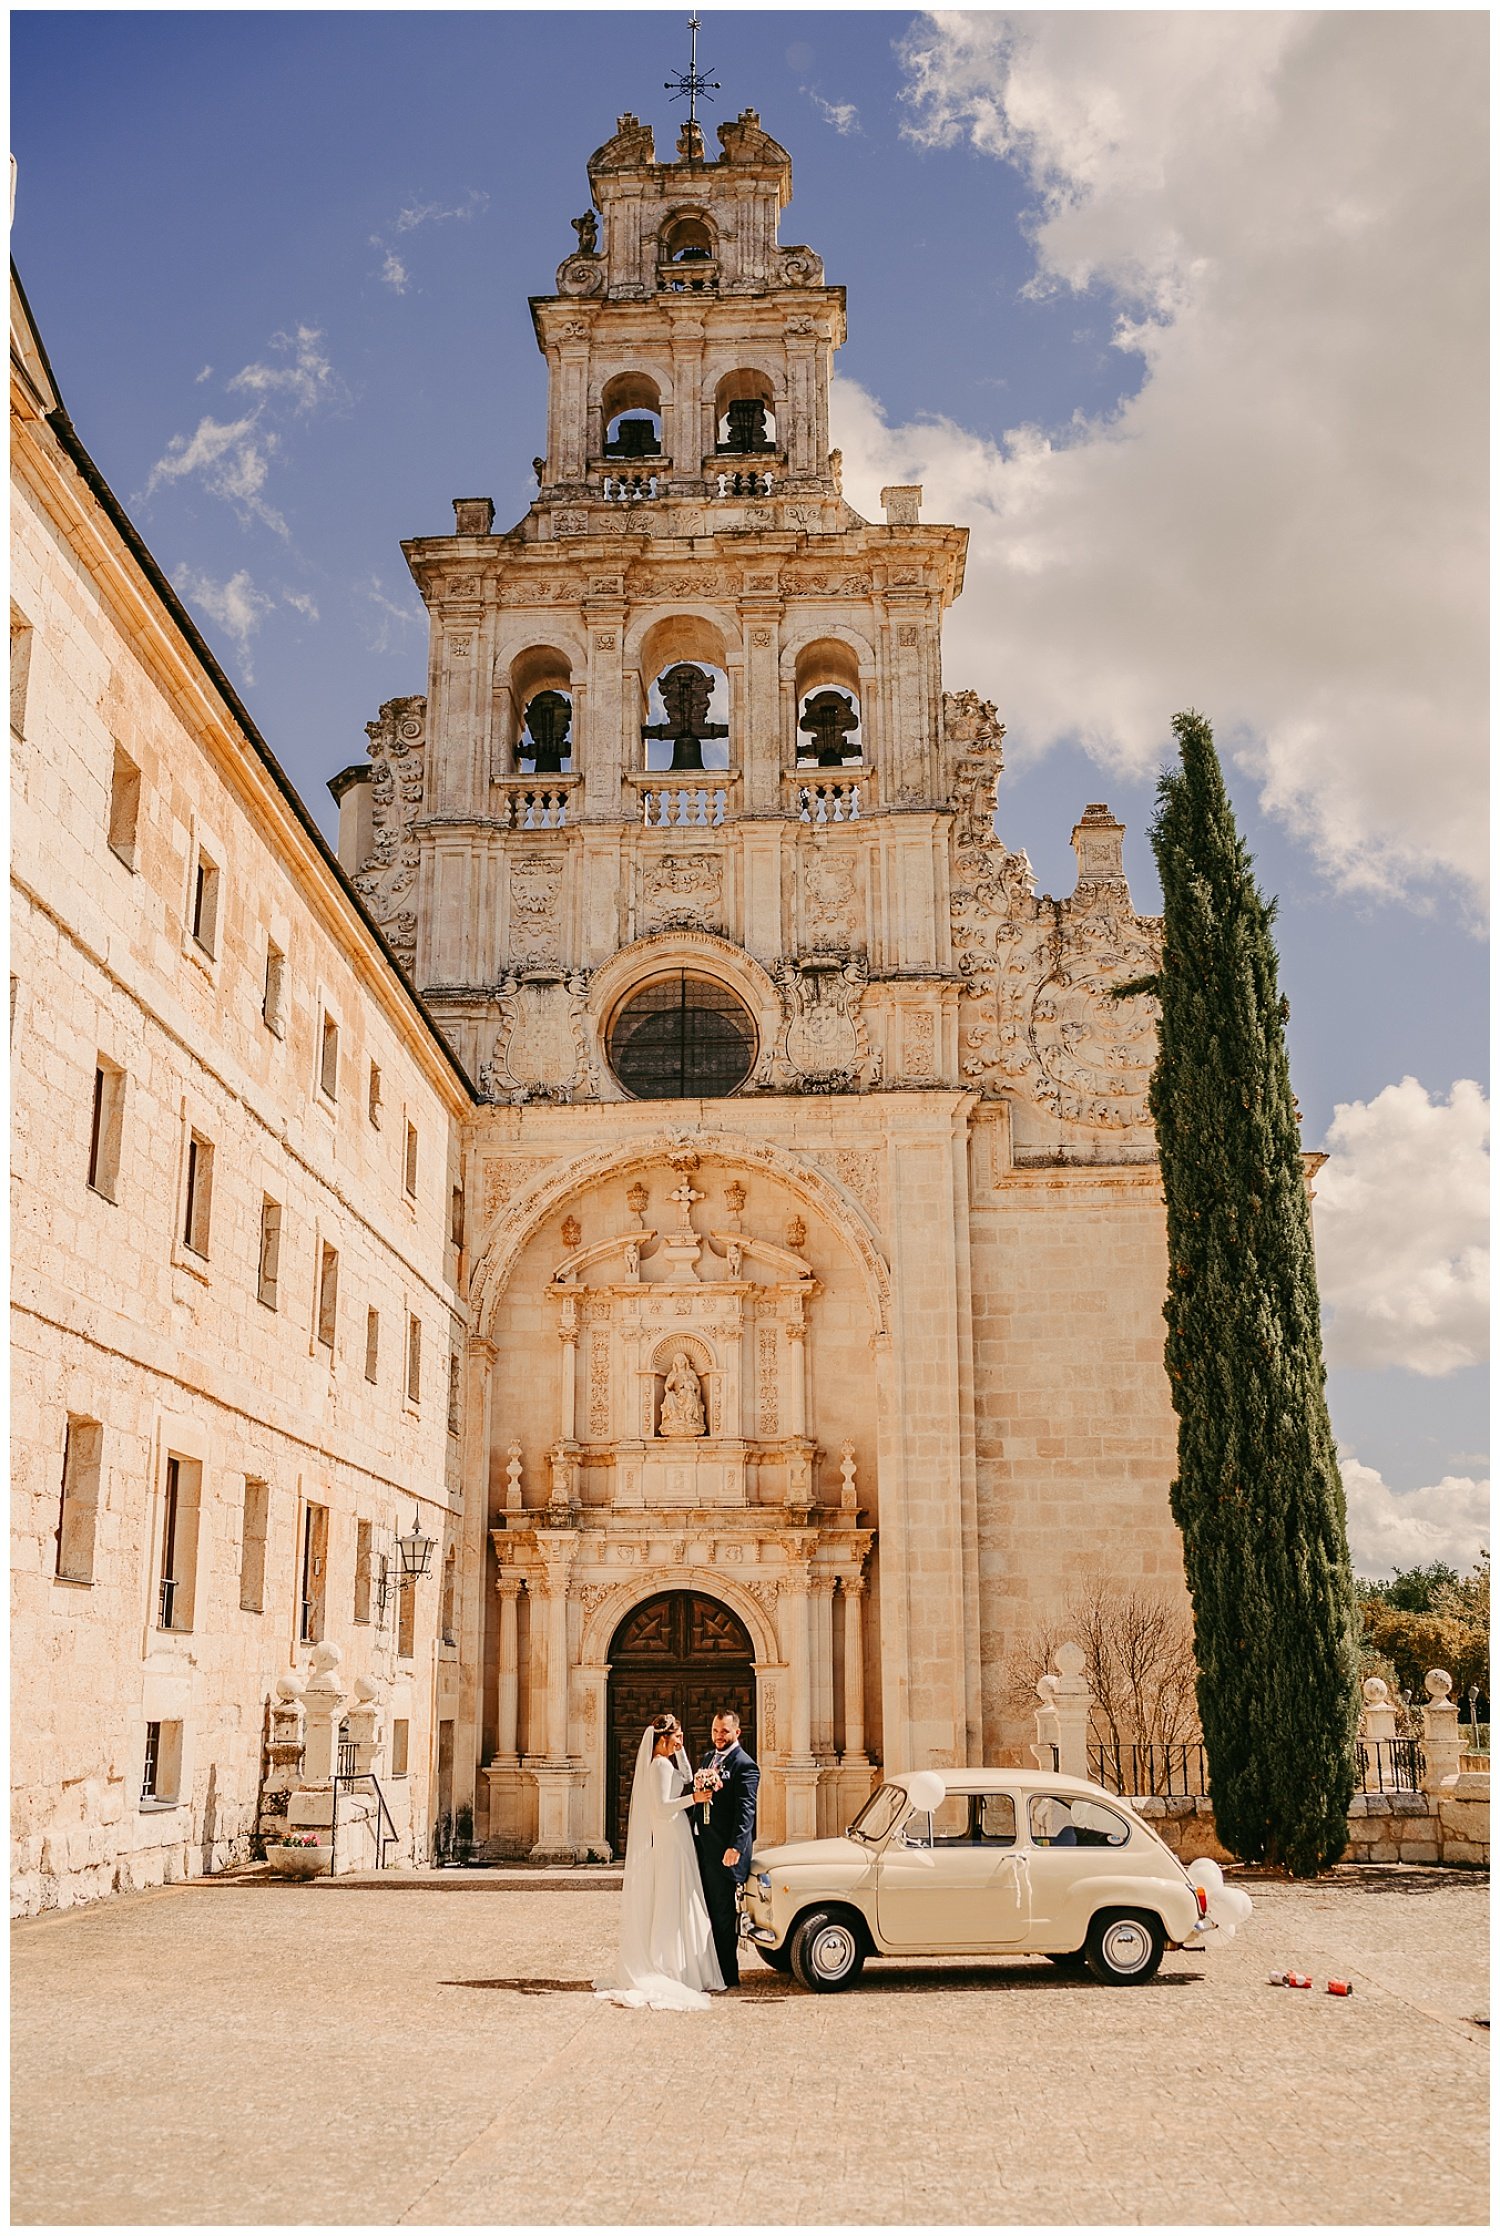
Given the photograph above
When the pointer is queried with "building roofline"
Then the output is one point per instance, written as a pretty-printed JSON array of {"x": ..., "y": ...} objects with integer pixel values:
[{"x": 67, "y": 434}]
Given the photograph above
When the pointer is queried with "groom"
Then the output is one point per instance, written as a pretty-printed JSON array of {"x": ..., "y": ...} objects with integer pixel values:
[{"x": 726, "y": 1837}]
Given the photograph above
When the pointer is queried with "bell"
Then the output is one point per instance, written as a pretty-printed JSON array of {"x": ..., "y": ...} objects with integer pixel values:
[
  {"x": 634, "y": 438},
  {"x": 747, "y": 426}
]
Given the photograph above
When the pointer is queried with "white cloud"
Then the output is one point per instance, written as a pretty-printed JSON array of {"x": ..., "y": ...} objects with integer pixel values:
[
  {"x": 231, "y": 457},
  {"x": 434, "y": 213},
  {"x": 394, "y": 272},
  {"x": 300, "y": 602},
  {"x": 306, "y": 376},
  {"x": 1446, "y": 1521},
  {"x": 200, "y": 378},
  {"x": 842, "y": 115},
  {"x": 1285, "y": 526},
  {"x": 395, "y": 620},
  {"x": 1401, "y": 1218},
  {"x": 236, "y": 605}
]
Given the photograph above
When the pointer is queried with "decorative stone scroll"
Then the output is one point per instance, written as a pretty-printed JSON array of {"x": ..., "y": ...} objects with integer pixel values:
[
  {"x": 542, "y": 1050},
  {"x": 683, "y": 892},
  {"x": 505, "y": 1179},
  {"x": 387, "y": 881},
  {"x": 1036, "y": 1017}
]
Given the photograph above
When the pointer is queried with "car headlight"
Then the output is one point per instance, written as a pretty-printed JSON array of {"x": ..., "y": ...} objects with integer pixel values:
[{"x": 763, "y": 1885}]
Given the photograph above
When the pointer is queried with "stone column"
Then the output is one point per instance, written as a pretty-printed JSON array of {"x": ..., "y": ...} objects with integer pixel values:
[
  {"x": 796, "y": 1379},
  {"x": 567, "y": 1405},
  {"x": 310, "y": 1805},
  {"x": 1378, "y": 1720},
  {"x": 554, "y": 1779},
  {"x": 821, "y": 1719},
  {"x": 508, "y": 1681},
  {"x": 854, "y": 1669},
  {"x": 800, "y": 1778},
  {"x": 1073, "y": 1700},
  {"x": 1441, "y": 1745}
]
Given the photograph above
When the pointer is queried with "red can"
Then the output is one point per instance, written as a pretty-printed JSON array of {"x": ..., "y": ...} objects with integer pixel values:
[
  {"x": 1339, "y": 1987},
  {"x": 1299, "y": 1980}
]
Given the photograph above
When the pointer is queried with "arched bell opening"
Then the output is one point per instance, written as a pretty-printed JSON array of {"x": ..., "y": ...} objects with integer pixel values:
[
  {"x": 631, "y": 415},
  {"x": 745, "y": 415},
  {"x": 538, "y": 711},
  {"x": 829, "y": 724},
  {"x": 682, "y": 1652},
  {"x": 686, "y": 692},
  {"x": 687, "y": 238}
]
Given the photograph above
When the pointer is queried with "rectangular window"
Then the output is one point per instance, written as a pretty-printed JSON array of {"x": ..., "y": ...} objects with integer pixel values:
[
  {"x": 372, "y": 1345},
  {"x": 78, "y": 1515},
  {"x": 400, "y": 1745},
  {"x": 413, "y": 1359},
  {"x": 328, "y": 1061},
  {"x": 124, "y": 807},
  {"x": 456, "y": 1229},
  {"x": 205, "y": 920},
  {"x": 273, "y": 999},
  {"x": 455, "y": 1391},
  {"x": 267, "y": 1280},
  {"x": 406, "y": 1620},
  {"x": 106, "y": 1128},
  {"x": 182, "y": 1497},
  {"x": 374, "y": 1094},
  {"x": 364, "y": 1570},
  {"x": 314, "y": 1574},
  {"x": 161, "y": 1773},
  {"x": 198, "y": 1208},
  {"x": 253, "y": 1536},
  {"x": 411, "y": 1159},
  {"x": 20, "y": 668},
  {"x": 328, "y": 1295}
]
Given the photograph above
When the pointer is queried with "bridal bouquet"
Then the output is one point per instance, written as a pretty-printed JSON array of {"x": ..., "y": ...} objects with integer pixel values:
[{"x": 707, "y": 1783}]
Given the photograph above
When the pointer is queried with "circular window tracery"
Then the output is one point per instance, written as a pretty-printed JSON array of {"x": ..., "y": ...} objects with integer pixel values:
[{"x": 681, "y": 1038}]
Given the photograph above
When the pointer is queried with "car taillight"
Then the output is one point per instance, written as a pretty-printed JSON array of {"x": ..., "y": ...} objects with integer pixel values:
[{"x": 1202, "y": 1902}]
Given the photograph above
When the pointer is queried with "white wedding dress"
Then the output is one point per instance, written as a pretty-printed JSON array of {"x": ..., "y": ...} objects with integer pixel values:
[{"x": 667, "y": 1960}]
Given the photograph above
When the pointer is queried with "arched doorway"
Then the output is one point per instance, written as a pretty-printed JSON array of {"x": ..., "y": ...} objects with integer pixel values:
[{"x": 683, "y": 1651}]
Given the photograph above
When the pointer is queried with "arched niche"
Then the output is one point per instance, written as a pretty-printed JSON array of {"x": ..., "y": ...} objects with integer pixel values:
[
  {"x": 630, "y": 411},
  {"x": 684, "y": 641},
  {"x": 828, "y": 725},
  {"x": 687, "y": 237},
  {"x": 537, "y": 711},
  {"x": 745, "y": 415}
]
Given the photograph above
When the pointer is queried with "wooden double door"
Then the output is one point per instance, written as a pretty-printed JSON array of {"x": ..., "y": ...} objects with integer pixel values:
[{"x": 681, "y": 1651}]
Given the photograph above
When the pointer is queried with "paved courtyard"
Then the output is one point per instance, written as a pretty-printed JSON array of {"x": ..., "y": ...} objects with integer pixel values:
[{"x": 429, "y": 2054}]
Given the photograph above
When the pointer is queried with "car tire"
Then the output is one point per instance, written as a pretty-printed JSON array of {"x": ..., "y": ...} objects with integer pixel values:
[
  {"x": 1125, "y": 1947},
  {"x": 827, "y": 1952}
]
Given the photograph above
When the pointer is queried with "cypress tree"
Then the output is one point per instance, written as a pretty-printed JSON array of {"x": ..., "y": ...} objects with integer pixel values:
[{"x": 1258, "y": 1496}]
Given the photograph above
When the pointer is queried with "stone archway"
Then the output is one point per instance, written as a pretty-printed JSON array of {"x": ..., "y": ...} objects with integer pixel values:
[{"x": 681, "y": 1650}]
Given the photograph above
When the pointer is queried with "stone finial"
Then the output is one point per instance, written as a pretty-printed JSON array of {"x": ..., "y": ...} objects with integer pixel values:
[
  {"x": 1439, "y": 1685},
  {"x": 1098, "y": 841},
  {"x": 1377, "y": 1692},
  {"x": 473, "y": 516},
  {"x": 513, "y": 1479},
  {"x": 638, "y": 1196},
  {"x": 1442, "y": 1744},
  {"x": 903, "y": 504},
  {"x": 849, "y": 1495},
  {"x": 1071, "y": 1660},
  {"x": 325, "y": 1659},
  {"x": 1072, "y": 1701},
  {"x": 1379, "y": 1718}
]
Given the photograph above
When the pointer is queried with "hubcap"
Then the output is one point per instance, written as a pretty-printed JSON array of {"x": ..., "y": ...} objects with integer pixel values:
[
  {"x": 833, "y": 1952},
  {"x": 1126, "y": 1946}
]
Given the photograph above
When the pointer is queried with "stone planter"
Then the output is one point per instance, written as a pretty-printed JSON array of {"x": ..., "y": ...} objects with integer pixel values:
[{"x": 299, "y": 1863}]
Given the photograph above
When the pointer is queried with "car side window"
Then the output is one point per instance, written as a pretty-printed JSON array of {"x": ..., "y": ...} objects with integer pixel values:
[
  {"x": 950, "y": 1823},
  {"x": 1075, "y": 1822},
  {"x": 997, "y": 1820}
]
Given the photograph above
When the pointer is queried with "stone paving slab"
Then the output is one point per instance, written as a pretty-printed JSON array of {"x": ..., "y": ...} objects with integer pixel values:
[{"x": 272, "y": 2053}]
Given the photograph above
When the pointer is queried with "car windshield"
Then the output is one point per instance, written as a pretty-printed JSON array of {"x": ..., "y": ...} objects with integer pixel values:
[{"x": 878, "y": 1814}]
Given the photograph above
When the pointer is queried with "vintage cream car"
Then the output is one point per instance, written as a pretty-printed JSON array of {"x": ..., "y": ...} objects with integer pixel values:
[{"x": 977, "y": 1863}]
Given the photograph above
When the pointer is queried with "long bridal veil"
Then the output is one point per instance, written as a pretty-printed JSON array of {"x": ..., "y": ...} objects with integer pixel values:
[{"x": 636, "y": 1979}]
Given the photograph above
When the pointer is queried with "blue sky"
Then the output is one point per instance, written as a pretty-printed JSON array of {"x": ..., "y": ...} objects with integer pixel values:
[{"x": 1119, "y": 295}]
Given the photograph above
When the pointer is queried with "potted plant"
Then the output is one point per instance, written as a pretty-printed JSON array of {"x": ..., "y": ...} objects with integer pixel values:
[{"x": 299, "y": 1855}]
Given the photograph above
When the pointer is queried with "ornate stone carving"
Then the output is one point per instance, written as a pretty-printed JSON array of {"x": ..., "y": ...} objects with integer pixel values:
[
  {"x": 683, "y": 892},
  {"x": 541, "y": 1052},
  {"x": 682, "y": 1411},
  {"x": 858, "y": 1170},
  {"x": 535, "y": 887},
  {"x": 919, "y": 1046},
  {"x": 767, "y": 1383},
  {"x": 831, "y": 912},
  {"x": 599, "y": 1383},
  {"x": 822, "y": 1047},
  {"x": 387, "y": 881},
  {"x": 572, "y": 1233},
  {"x": 1035, "y": 1012},
  {"x": 506, "y": 1178}
]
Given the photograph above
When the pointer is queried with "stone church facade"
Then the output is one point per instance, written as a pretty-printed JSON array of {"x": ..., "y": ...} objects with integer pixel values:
[{"x": 812, "y": 1248}]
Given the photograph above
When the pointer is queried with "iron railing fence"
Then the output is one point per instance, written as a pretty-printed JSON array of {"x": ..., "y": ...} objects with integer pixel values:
[
  {"x": 1152, "y": 1767},
  {"x": 1389, "y": 1765}
]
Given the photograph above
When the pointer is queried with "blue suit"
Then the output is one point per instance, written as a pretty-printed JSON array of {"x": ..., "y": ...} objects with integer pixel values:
[{"x": 728, "y": 1821}]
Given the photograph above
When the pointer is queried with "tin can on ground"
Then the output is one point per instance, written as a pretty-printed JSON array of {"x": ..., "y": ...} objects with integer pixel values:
[
  {"x": 1299, "y": 1980},
  {"x": 1275, "y": 1979},
  {"x": 1339, "y": 1987}
]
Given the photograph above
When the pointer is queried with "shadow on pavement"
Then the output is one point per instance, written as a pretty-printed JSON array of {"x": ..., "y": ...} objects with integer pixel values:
[{"x": 772, "y": 1987}]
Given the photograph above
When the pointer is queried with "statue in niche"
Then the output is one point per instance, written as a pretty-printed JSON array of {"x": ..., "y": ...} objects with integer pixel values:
[
  {"x": 829, "y": 717},
  {"x": 682, "y": 1400},
  {"x": 587, "y": 229},
  {"x": 549, "y": 718}
]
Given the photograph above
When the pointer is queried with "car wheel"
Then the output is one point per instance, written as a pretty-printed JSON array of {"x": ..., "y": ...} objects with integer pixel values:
[
  {"x": 1124, "y": 1947},
  {"x": 1069, "y": 1960},
  {"x": 827, "y": 1954}
]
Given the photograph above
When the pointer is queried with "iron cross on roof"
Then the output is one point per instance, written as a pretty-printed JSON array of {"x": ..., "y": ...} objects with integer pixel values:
[{"x": 687, "y": 85}]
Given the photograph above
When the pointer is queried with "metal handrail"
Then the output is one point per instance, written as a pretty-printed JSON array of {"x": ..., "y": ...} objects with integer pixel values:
[
  {"x": 382, "y": 1839},
  {"x": 1398, "y": 1765},
  {"x": 1165, "y": 1767}
]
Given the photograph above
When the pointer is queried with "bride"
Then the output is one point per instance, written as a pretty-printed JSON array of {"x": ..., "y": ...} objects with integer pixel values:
[{"x": 667, "y": 1958}]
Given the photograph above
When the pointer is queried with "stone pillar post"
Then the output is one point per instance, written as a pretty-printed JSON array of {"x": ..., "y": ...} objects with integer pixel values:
[
  {"x": 1073, "y": 1700},
  {"x": 364, "y": 1721},
  {"x": 854, "y": 1669},
  {"x": 508, "y": 1679},
  {"x": 554, "y": 1779},
  {"x": 323, "y": 1704},
  {"x": 1378, "y": 1720},
  {"x": 567, "y": 1397},
  {"x": 800, "y": 1777},
  {"x": 1045, "y": 1751},
  {"x": 1441, "y": 1745},
  {"x": 820, "y": 1608},
  {"x": 796, "y": 1379}
]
